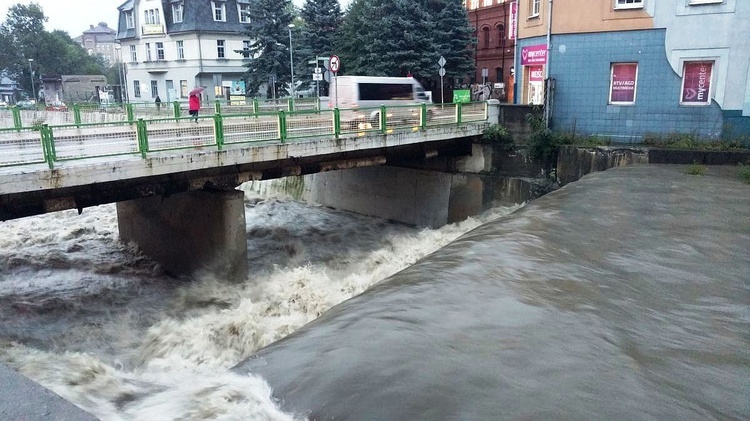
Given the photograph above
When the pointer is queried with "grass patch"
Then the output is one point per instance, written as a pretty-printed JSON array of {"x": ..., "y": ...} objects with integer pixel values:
[
  {"x": 497, "y": 134},
  {"x": 693, "y": 141},
  {"x": 696, "y": 169},
  {"x": 744, "y": 173}
]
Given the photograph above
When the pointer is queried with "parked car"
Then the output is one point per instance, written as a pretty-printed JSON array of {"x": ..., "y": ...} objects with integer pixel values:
[
  {"x": 26, "y": 104},
  {"x": 56, "y": 106}
]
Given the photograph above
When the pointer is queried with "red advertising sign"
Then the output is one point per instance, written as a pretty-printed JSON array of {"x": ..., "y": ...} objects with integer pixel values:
[
  {"x": 513, "y": 20},
  {"x": 622, "y": 86},
  {"x": 536, "y": 74},
  {"x": 534, "y": 54},
  {"x": 696, "y": 82}
]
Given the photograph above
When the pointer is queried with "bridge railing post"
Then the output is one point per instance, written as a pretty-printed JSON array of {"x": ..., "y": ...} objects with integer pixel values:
[
  {"x": 77, "y": 115},
  {"x": 383, "y": 120},
  {"x": 256, "y": 106},
  {"x": 282, "y": 126},
  {"x": 176, "y": 109},
  {"x": 129, "y": 112},
  {"x": 423, "y": 116},
  {"x": 142, "y": 134},
  {"x": 219, "y": 130},
  {"x": 458, "y": 113},
  {"x": 291, "y": 104},
  {"x": 217, "y": 107},
  {"x": 336, "y": 123},
  {"x": 17, "y": 118},
  {"x": 48, "y": 145}
]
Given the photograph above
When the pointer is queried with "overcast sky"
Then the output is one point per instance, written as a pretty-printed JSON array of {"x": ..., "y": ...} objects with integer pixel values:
[{"x": 75, "y": 16}]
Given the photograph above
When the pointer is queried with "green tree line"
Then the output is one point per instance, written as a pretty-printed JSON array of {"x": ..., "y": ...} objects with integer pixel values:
[
  {"x": 23, "y": 38},
  {"x": 372, "y": 37}
]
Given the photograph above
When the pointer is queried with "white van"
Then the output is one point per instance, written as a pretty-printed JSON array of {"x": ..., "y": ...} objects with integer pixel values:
[{"x": 357, "y": 92}]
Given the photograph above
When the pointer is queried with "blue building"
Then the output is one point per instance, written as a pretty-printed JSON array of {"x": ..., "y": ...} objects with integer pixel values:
[{"x": 626, "y": 69}]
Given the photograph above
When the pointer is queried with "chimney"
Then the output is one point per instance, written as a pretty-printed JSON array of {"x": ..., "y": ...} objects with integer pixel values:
[{"x": 91, "y": 26}]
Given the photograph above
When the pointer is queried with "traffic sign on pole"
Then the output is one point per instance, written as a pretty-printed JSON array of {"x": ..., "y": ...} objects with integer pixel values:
[
  {"x": 335, "y": 64},
  {"x": 441, "y": 72}
]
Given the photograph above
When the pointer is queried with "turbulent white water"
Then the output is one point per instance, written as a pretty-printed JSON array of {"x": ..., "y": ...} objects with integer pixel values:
[{"x": 101, "y": 325}]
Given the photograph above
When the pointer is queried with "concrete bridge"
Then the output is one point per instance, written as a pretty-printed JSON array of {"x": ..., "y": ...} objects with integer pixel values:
[{"x": 174, "y": 179}]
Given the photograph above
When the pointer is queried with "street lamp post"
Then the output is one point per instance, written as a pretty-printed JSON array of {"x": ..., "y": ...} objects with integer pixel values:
[
  {"x": 291, "y": 57},
  {"x": 31, "y": 74},
  {"x": 120, "y": 73}
]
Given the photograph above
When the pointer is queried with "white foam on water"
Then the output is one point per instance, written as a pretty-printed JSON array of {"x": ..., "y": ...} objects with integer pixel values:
[{"x": 170, "y": 360}]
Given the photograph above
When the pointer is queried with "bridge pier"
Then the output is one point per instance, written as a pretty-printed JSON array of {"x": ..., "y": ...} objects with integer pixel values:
[
  {"x": 417, "y": 197},
  {"x": 190, "y": 231}
]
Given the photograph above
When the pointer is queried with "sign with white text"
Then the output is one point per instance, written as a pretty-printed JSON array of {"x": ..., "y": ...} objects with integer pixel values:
[
  {"x": 622, "y": 86},
  {"x": 534, "y": 54},
  {"x": 536, "y": 74},
  {"x": 513, "y": 20},
  {"x": 696, "y": 82}
]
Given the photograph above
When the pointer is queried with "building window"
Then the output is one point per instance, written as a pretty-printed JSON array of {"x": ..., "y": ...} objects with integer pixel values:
[
  {"x": 473, "y": 4},
  {"x": 535, "y": 7},
  {"x": 177, "y": 9},
  {"x": 623, "y": 81},
  {"x": 697, "y": 2},
  {"x": 486, "y": 36},
  {"x": 501, "y": 35},
  {"x": 183, "y": 89},
  {"x": 148, "y": 51},
  {"x": 220, "y": 10},
  {"x": 220, "y": 48},
  {"x": 246, "y": 49},
  {"x": 181, "y": 50},
  {"x": 160, "y": 51},
  {"x": 133, "y": 54},
  {"x": 499, "y": 75},
  {"x": 487, "y": 3},
  {"x": 137, "y": 88},
  {"x": 129, "y": 21},
  {"x": 696, "y": 83},
  {"x": 152, "y": 16},
  {"x": 244, "y": 11},
  {"x": 154, "y": 89},
  {"x": 628, "y": 4}
]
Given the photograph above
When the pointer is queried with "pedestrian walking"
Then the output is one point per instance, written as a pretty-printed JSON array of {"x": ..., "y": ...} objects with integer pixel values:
[{"x": 194, "y": 105}]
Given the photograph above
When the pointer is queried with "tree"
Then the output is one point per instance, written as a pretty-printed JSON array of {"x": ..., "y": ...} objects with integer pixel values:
[
  {"x": 23, "y": 37},
  {"x": 397, "y": 37},
  {"x": 321, "y": 23},
  {"x": 269, "y": 46}
]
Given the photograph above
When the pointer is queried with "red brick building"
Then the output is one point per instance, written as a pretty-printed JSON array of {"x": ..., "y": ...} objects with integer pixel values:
[{"x": 495, "y": 48}]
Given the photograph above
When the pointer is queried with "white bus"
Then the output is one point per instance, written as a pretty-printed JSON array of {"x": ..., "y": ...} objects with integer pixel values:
[{"x": 358, "y": 92}]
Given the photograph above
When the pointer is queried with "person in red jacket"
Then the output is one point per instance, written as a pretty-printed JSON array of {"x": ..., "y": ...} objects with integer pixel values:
[{"x": 194, "y": 105}]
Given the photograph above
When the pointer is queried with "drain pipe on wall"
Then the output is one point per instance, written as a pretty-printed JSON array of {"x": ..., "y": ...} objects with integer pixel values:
[{"x": 548, "y": 84}]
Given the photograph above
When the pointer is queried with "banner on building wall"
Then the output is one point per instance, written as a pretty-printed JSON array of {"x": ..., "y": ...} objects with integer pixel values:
[
  {"x": 513, "y": 20},
  {"x": 622, "y": 86},
  {"x": 536, "y": 74},
  {"x": 696, "y": 82},
  {"x": 534, "y": 54}
]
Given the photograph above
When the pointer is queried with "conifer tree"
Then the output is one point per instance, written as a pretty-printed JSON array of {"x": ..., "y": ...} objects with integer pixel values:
[
  {"x": 322, "y": 20},
  {"x": 268, "y": 32},
  {"x": 397, "y": 37}
]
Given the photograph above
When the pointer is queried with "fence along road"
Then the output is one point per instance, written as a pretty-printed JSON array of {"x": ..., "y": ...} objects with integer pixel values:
[{"x": 51, "y": 144}]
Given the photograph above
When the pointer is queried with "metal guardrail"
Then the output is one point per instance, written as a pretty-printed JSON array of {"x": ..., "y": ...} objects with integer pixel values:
[
  {"x": 56, "y": 143},
  {"x": 88, "y": 113}
]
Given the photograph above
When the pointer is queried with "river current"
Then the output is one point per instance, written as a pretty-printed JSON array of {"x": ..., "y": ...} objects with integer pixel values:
[{"x": 625, "y": 295}]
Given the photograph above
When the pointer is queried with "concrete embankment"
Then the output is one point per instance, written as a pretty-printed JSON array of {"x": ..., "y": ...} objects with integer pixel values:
[{"x": 23, "y": 399}]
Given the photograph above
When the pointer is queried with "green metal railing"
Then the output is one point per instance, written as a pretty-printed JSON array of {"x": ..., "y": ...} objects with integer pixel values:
[{"x": 140, "y": 136}]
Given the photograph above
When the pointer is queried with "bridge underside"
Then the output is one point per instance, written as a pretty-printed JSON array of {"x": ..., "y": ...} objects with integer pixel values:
[{"x": 17, "y": 205}]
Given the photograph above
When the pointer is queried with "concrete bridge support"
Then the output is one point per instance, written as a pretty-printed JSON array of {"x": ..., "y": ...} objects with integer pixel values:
[
  {"x": 191, "y": 231},
  {"x": 417, "y": 197}
]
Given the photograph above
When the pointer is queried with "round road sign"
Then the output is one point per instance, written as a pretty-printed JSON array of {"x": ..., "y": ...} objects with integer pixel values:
[{"x": 335, "y": 63}]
